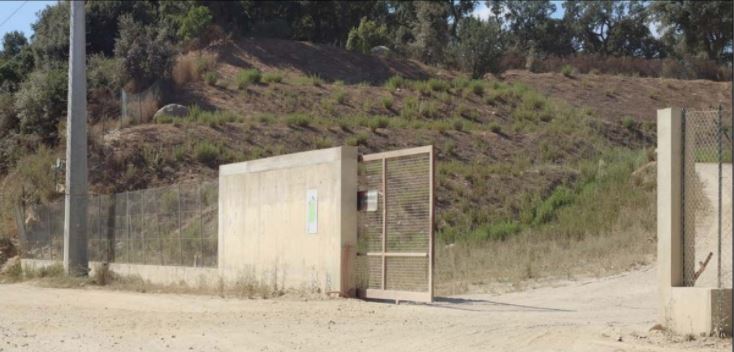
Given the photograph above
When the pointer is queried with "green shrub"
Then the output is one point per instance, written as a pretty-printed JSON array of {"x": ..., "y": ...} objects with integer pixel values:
[
  {"x": 310, "y": 80},
  {"x": 211, "y": 78},
  {"x": 546, "y": 212},
  {"x": 410, "y": 109},
  {"x": 498, "y": 231},
  {"x": 340, "y": 96},
  {"x": 458, "y": 124},
  {"x": 396, "y": 82},
  {"x": 495, "y": 127},
  {"x": 477, "y": 87},
  {"x": 146, "y": 56},
  {"x": 629, "y": 123},
  {"x": 207, "y": 153},
  {"x": 246, "y": 77},
  {"x": 164, "y": 119},
  {"x": 272, "y": 77},
  {"x": 357, "y": 140},
  {"x": 438, "y": 85},
  {"x": 567, "y": 70},
  {"x": 266, "y": 118},
  {"x": 387, "y": 103},
  {"x": 41, "y": 102},
  {"x": 378, "y": 122},
  {"x": 367, "y": 36},
  {"x": 428, "y": 109},
  {"x": 298, "y": 120},
  {"x": 193, "y": 24}
]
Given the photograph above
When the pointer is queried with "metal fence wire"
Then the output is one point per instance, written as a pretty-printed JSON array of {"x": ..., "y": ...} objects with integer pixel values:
[
  {"x": 140, "y": 107},
  {"x": 175, "y": 225},
  {"x": 706, "y": 199}
]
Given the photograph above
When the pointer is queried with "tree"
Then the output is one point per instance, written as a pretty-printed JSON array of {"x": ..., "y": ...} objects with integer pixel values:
[
  {"x": 13, "y": 43},
  {"x": 41, "y": 103},
  {"x": 16, "y": 61},
  {"x": 430, "y": 30},
  {"x": 145, "y": 52},
  {"x": 697, "y": 27},
  {"x": 50, "y": 40},
  {"x": 103, "y": 17},
  {"x": 367, "y": 36},
  {"x": 612, "y": 28},
  {"x": 458, "y": 10},
  {"x": 479, "y": 46},
  {"x": 525, "y": 20},
  {"x": 192, "y": 25}
]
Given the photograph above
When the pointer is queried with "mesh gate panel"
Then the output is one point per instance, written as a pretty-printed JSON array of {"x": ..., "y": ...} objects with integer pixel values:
[
  {"x": 408, "y": 203},
  {"x": 406, "y": 274},
  {"x": 394, "y": 239},
  {"x": 706, "y": 202}
]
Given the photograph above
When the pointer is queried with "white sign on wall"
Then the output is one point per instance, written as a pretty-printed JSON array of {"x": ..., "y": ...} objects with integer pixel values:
[{"x": 312, "y": 211}]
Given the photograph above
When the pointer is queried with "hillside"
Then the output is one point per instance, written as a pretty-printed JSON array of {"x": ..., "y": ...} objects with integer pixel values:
[{"x": 530, "y": 165}]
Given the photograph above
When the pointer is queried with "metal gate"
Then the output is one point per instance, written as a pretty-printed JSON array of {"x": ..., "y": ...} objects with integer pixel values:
[{"x": 395, "y": 225}]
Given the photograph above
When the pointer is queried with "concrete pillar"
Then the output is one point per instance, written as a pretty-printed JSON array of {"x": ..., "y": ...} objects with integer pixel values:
[
  {"x": 670, "y": 250},
  {"x": 75, "y": 217}
]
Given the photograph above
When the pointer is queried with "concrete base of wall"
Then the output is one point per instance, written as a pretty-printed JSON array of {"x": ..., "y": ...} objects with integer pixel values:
[
  {"x": 155, "y": 274},
  {"x": 699, "y": 311}
]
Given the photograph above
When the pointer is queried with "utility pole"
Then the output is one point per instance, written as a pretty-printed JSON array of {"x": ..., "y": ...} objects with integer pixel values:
[{"x": 75, "y": 217}]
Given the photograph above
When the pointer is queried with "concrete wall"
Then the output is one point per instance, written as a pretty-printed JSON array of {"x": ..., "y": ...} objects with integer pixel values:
[
  {"x": 263, "y": 227},
  {"x": 685, "y": 310},
  {"x": 155, "y": 274}
]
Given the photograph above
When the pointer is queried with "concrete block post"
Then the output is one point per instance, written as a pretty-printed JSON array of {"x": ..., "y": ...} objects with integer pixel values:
[
  {"x": 75, "y": 217},
  {"x": 670, "y": 246}
]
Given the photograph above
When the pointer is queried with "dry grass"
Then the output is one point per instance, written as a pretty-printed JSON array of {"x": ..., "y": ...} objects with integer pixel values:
[
  {"x": 193, "y": 66},
  {"x": 498, "y": 266}
]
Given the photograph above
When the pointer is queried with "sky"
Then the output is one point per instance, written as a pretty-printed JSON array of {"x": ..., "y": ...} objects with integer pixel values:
[
  {"x": 18, "y": 15},
  {"x": 481, "y": 11}
]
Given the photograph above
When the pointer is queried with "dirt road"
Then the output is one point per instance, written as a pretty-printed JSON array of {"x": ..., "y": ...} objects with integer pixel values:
[{"x": 584, "y": 315}]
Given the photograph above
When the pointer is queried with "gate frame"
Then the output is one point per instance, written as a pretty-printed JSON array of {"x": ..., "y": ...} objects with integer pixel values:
[
  {"x": 399, "y": 295},
  {"x": 684, "y": 310}
]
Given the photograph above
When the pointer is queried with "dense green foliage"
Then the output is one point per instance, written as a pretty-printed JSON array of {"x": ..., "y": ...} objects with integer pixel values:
[{"x": 367, "y": 36}]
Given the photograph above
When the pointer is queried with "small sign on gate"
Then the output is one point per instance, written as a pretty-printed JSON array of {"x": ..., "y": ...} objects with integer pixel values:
[{"x": 367, "y": 200}]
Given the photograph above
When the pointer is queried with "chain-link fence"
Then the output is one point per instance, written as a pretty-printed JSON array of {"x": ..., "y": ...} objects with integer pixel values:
[
  {"x": 706, "y": 204},
  {"x": 140, "y": 107},
  {"x": 174, "y": 225}
]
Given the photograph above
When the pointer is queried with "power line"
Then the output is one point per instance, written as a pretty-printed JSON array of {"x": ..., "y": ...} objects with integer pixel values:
[{"x": 13, "y": 13}]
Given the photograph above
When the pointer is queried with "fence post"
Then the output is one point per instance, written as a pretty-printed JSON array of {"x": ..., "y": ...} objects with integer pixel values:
[
  {"x": 158, "y": 229},
  {"x": 180, "y": 240},
  {"x": 50, "y": 236},
  {"x": 201, "y": 225},
  {"x": 129, "y": 230},
  {"x": 669, "y": 203}
]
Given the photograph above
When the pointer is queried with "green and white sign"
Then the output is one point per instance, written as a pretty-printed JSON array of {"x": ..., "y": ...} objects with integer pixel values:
[{"x": 312, "y": 211}]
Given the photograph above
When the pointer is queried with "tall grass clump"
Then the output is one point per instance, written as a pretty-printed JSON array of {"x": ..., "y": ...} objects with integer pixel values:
[
  {"x": 298, "y": 120},
  {"x": 396, "y": 82},
  {"x": 272, "y": 77},
  {"x": 438, "y": 85},
  {"x": 207, "y": 153},
  {"x": 247, "y": 77}
]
